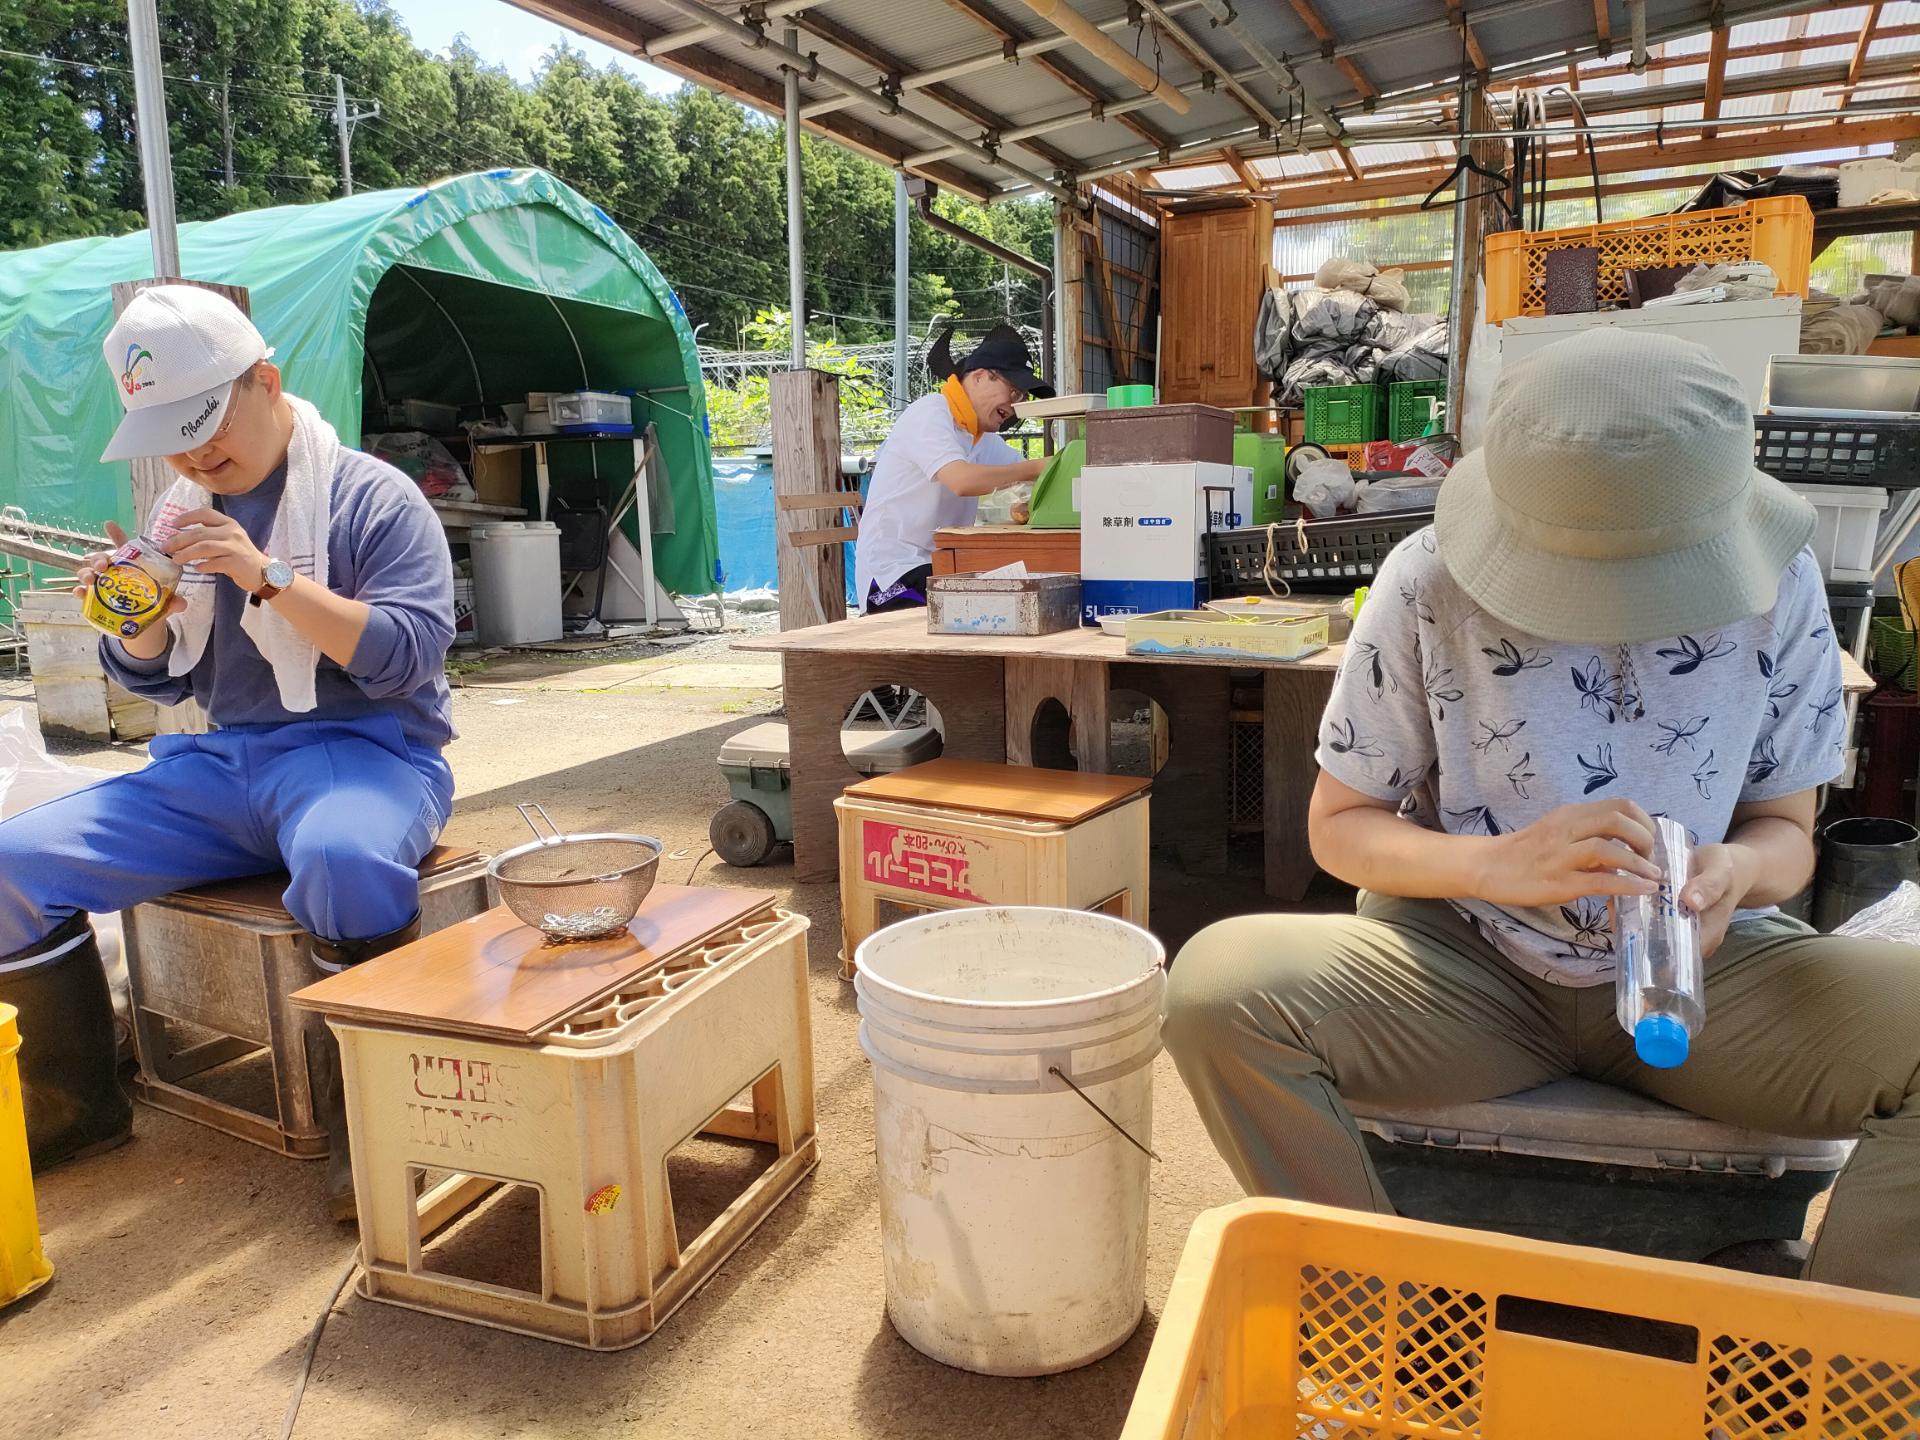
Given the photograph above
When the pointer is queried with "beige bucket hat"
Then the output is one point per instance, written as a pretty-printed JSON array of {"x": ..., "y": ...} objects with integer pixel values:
[{"x": 1615, "y": 499}]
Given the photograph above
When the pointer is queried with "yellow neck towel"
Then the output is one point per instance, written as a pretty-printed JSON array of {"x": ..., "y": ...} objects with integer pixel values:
[{"x": 958, "y": 401}]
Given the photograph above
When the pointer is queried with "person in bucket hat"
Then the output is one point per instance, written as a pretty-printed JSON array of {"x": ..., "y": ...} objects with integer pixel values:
[
  {"x": 1614, "y": 617},
  {"x": 943, "y": 454},
  {"x": 312, "y": 624}
]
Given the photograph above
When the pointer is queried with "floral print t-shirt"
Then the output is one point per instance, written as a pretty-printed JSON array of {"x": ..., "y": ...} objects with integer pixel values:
[{"x": 1477, "y": 728}]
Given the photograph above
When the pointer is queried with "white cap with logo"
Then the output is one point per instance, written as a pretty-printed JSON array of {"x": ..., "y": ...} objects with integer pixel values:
[{"x": 175, "y": 352}]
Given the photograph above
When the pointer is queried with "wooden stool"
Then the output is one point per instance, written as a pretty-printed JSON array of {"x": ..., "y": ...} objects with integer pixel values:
[
  {"x": 570, "y": 1073},
  {"x": 954, "y": 833},
  {"x": 226, "y": 958}
]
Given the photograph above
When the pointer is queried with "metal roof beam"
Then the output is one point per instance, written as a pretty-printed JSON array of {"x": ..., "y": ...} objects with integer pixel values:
[
  {"x": 1207, "y": 65},
  {"x": 1597, "y": 104},
  {"x": 1224, "y": 16},
  {"x": 893, "y": 67},
  {"x": 1062, "y": 72},
  {"x": 1330, "y": 49},
  {"x": 1617, "y": 160},
  {"x": 694, "y": 34},
  {"x": 1096, "y": 43},
  {"x": 1519, "y": 69},
  {"x": 810, "y": 66},
  {"x": 706, "y": 68}
]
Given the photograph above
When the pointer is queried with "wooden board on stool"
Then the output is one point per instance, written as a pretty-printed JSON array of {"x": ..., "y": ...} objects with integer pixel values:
[
  {"x": 494, "y": 976},
  {"x": 259, "y": 895},
  {"x": 1062, "y": 797}
]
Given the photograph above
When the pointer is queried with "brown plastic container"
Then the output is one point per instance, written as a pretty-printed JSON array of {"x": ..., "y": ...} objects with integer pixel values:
[{"x": 1155, "y": 434}]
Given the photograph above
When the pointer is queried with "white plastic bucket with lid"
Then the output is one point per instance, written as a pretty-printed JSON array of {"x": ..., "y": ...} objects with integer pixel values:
[
  {"x": 516, "y": 582},
  {"x": 1013, "y": 1216}
]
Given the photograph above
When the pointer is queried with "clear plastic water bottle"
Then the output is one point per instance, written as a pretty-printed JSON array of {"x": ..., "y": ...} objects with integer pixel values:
[{"x": 1659, "y": 986}]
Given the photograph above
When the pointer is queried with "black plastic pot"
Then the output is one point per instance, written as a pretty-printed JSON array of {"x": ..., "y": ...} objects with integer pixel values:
[{"x": 1862, "y": 861}]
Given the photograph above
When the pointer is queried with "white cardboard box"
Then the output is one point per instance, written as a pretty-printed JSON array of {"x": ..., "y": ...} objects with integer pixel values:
[{"x": 1142, "y": 533}]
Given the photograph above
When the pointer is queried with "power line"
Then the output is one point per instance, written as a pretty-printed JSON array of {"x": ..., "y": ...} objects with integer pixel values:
[{"x": 326, "y": 100}]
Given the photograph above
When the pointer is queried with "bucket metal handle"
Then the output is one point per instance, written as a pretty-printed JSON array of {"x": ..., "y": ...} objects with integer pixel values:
[
  {"x": 552, "y": 838},
  {"x": 1061, "y": 1075}
]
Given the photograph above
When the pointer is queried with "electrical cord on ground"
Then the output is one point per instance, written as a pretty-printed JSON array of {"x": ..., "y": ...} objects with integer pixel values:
[
  {"x": 313, "y": 1347},
  {"x": 697, "y": 863}
]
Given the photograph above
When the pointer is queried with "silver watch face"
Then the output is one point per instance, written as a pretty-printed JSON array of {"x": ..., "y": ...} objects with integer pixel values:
[{"x": 279, "y": 574}]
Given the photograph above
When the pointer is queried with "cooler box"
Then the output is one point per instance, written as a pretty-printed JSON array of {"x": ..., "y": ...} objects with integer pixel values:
[{"x": 1142, "y": 529}]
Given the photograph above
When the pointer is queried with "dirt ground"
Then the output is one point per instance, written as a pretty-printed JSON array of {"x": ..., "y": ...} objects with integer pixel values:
[{"x": 190, "y": 1266}]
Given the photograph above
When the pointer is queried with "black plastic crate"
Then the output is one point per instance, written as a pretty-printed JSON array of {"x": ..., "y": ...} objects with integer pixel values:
[
  {"x": 1811, "y": 450},
  {"x": 1319, "y": 556}
]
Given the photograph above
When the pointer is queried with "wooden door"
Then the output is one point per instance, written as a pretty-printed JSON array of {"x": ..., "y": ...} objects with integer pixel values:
[
  {"x": 1185, "y": 300},
  {"x": 1233, "y": 296},
  {"x": 1211, "y": 272}
]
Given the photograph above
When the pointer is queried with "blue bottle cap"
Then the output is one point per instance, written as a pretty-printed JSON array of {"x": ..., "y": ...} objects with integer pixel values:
[{"x": 1660, "y": 1041}]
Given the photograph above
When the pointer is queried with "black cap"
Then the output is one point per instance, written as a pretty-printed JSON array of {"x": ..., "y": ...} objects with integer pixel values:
[{"x": 1002, "y": 351}]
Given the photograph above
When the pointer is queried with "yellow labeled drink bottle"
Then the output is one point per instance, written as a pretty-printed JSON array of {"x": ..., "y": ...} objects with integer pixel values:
[{"x": 133, "y": 590}]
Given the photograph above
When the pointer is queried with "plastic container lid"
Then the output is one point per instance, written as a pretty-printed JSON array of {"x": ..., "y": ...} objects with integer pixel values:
[
  {"x": 1127, "y": 397},
  {"x": 1660, "y": 1041},
  {"x": 764, "y": 746},
  {"x": 881, "y": 752}
]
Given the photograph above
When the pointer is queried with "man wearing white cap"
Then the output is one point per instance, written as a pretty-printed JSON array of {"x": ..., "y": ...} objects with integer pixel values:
[
  {"x": 312, "y": 624},
  {"x": 1614, "y": 618}
]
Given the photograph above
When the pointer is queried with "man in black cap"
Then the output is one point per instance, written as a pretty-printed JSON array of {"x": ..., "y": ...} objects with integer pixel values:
[{"x": 944, "y": 453}]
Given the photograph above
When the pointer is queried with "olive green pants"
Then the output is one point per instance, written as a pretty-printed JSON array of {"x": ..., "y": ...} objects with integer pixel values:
[{"x": 1272, "y": 1019}]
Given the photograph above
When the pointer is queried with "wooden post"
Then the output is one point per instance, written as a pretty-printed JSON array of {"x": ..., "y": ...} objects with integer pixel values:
[
  {"x": 1480, "y": 220},
  {"x": 809, "y": 494},
  {"x": 152, "y": 476}
]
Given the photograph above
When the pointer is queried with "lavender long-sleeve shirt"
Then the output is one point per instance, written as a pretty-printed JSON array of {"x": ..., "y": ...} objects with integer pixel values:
[{"x": 385, "y": 548}]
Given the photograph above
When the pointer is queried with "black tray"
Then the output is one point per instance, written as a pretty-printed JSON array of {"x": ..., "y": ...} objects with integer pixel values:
[{"x": 1338, "y": 555}]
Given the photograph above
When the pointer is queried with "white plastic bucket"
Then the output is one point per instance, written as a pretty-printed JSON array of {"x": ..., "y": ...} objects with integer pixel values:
[{"x": 1013, "y": 1217}]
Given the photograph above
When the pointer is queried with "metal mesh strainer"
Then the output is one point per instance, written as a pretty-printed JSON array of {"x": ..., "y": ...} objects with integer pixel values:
[{"x": 575, "y": 887}]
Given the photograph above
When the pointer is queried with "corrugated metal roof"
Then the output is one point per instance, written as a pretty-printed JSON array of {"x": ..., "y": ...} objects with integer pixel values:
[{"x": 1405, "y": 49}]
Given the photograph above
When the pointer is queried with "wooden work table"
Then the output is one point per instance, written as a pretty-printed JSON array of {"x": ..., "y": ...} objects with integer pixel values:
[{"x": 992, "y": 693}]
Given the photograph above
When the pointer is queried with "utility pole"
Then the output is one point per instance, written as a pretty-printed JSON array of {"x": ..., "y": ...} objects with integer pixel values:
[
  {"x": 344, "y": 120},
  {"x": 226, "y": 125},
  {"x": 902, "y": 282},
  {"x": 150, "y": 125}
]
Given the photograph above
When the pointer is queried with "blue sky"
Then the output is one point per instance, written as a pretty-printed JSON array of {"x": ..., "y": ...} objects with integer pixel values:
[{"x": 512, "y": 37}]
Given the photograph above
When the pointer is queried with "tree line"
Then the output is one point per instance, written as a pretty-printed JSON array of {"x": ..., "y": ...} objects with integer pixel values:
[{"x": 697, "y": 180}]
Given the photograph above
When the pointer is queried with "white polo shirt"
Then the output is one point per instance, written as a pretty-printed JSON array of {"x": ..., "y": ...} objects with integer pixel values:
[{"x": 905, "y": 504}]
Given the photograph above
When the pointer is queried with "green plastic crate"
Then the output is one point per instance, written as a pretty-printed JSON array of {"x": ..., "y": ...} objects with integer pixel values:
[
  {"x": 1893, "y": 651},
  {"x": 1408, "y": 407},
  {"x": 1342, "y": 414}
]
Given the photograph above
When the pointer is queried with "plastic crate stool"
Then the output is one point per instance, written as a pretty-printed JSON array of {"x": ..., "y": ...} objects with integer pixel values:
[
  {"x": 955, "y": 833},
  {"x": 1301, "y": 1320},
  {"x": 481, "y": 1059},
  {"x": 226, "y": 958},
  {"x": 1581, "y": 1161}
]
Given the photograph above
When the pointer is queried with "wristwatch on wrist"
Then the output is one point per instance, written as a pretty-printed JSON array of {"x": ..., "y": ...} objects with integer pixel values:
[{"x": 277, "y": 576}]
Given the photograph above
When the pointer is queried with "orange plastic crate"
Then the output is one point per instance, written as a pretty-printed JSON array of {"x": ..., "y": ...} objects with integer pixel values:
[
  {"x": 1778, "y": 230},
  {"x": 1305, "y": 1321}
]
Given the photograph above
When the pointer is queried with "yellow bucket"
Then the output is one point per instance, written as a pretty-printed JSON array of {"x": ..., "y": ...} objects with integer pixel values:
[{"x": 23, "y": 1268}]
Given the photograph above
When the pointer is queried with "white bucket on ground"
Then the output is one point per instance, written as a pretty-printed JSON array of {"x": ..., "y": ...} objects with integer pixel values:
[{"x": 1013, "y": 1217}]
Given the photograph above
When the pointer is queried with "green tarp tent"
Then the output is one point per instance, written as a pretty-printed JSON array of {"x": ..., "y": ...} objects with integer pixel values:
[{"x": 474, "y": 290}]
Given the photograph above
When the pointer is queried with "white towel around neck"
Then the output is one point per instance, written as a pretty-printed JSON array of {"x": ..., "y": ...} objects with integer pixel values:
[{"x": 298, "y": 536}]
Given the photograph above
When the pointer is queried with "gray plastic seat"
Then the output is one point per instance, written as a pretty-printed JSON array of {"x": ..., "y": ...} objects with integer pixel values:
[{"x": 1582, "y": 1120}]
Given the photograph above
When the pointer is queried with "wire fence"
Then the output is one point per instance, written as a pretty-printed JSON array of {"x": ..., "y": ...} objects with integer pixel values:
[{"x": 736, "y": 387}]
